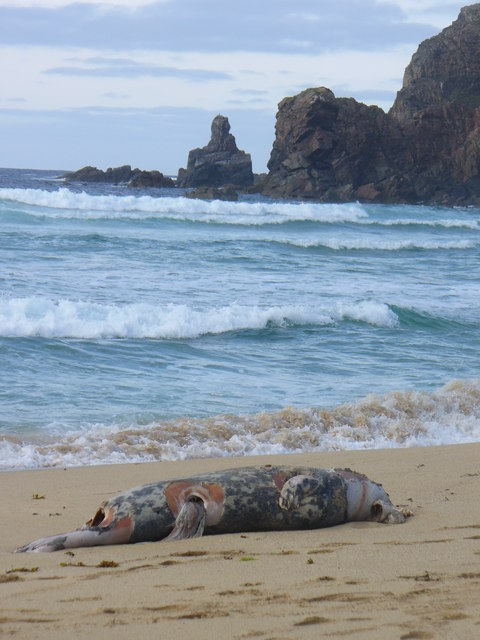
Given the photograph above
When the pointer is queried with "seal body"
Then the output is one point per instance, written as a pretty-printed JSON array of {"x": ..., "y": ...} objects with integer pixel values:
[{"x": 264, "y": 498}]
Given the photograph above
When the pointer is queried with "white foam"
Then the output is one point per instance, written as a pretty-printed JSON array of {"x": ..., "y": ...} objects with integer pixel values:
[
  {"x": 64, "y": 203},
  {"x": 40, "y": 317},
  {"x": 450, "y": 415},
  {"x": 68, "y": 204},
  {"x": 377, "y": 244},
  {"x": 457, "y": 223}
]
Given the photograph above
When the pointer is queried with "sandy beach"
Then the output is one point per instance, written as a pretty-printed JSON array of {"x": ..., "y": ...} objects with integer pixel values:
[{"x": 361, "y": 580}]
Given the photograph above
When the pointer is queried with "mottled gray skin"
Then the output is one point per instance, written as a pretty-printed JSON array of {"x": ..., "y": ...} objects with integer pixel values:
[
  {"x": 252, "y": 500},
  {"x": 251, "y": 503},
  {"x": 264, "y": 498}
]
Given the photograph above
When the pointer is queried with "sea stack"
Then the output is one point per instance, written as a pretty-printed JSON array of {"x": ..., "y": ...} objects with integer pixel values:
[
  {"x": 219, "y": 163},
  {"x": 424, "y": 150}
]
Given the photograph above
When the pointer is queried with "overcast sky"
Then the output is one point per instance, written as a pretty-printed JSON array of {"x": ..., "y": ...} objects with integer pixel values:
[{"x": 138, "y": 82}]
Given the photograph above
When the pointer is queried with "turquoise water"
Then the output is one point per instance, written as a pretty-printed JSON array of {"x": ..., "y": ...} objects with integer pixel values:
[{"x": 142, "y": 325}]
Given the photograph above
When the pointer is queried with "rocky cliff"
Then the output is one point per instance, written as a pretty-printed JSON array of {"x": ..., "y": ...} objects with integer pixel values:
[
  {"x": 426, "y": 149},
  {"x": 219, "y": 163}
]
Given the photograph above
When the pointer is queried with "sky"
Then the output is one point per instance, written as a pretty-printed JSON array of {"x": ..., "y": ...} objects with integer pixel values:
[{"x": 114, "y": 82}]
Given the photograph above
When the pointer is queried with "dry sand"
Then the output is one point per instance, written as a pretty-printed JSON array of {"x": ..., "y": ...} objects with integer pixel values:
[{"x": 420, "y": 579}]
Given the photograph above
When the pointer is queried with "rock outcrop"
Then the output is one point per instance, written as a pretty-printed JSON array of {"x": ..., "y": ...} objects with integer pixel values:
[
  {"x": 154, "y": 179},
  {"x": 426, "y": 149},
  {"x": 227, "y": 192},
  {"x": 219, "y": 163},
  {"x": 121, "y": 175}
]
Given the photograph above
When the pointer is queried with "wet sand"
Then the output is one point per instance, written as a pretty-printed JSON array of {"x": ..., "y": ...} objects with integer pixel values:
[{"x": 359, "y": 580}]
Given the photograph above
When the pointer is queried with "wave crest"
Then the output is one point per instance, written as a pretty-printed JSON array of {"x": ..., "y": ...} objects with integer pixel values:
[
  {"x": 378, "y": 244},
  {"x": 68, "y": 204},
  {"x": 450, "y": 415},
  {"x": 38, "y": 317}
]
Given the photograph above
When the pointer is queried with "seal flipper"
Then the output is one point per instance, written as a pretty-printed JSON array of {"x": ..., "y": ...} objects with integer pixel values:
[
  {"x": 295, "y": 490},
  {"x": 190, "y": 521}
]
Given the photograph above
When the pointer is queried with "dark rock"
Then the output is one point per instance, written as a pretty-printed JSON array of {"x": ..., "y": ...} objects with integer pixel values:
[
  {"x": 92, "y": 174},
  {"x": 121, "y": 175},
  {"x": 219, "y": 163},
  {"x": 326, "y": 148},
  {"x": 86, "y": 174},
  {"x": 227, "y": 192},
  {"x": 445, "y": 69},
  {"x": 259, "y": 180},
  {"x": 150, "y": 179},
  {"x": 118, "y": 175},
  {"x": 426, "y": 149}
]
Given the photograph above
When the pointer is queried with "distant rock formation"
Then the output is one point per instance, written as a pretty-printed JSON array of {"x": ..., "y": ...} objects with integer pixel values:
[
  {"x": 426, "y": 149},
  {"x": 121, "y": 175},
  {"x": 150, "y": 179},
  {"x": 219, "y": 163},
  {"x": 227, "y": 192}
]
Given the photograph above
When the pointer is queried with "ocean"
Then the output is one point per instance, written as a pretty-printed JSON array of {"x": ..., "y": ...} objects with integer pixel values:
[{"x": 139, "y": 325}]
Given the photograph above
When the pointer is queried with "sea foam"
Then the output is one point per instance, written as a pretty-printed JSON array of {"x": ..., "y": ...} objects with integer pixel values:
[
  {"x": 377, "y": 244},
  {"x": 40, "y": 317},
  {"x": 68, "y": 204},
  {"x": 64, "y": 203},
  {"x": 450, "y": 415}
]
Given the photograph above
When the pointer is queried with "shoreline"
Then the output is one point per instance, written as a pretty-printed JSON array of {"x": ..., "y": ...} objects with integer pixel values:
[
  {"x": 194, "y": 465},
  {"x": 448, "y": 414},
  {"x": 416, "y": 580}
]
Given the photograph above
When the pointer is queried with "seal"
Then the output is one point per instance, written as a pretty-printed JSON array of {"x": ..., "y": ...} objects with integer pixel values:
[{"x": 268, "y": 498}]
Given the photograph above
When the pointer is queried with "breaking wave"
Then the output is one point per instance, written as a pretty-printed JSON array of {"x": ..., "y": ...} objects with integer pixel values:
[
  {"x": 68, "y": 204},
  {"x": 450, "y": 415},
  {"x": 379, "y": 244},
  {"x": 39, "y": 317}
]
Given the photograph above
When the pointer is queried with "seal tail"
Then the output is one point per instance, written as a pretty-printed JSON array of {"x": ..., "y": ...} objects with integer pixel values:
[{"x": 78, "y": 538}]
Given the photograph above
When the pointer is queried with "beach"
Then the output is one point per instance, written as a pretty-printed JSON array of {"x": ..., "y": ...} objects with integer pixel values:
[
  {"x": 420, "y": 579},
  {"x": 156, "y": 327}
]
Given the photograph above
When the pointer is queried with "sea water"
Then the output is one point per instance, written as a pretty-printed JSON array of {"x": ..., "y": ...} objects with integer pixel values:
[{"x": 137, "y": 324}]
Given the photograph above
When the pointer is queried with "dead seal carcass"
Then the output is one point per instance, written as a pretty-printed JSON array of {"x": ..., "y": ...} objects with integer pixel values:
[{"x": 269, "y": 498}]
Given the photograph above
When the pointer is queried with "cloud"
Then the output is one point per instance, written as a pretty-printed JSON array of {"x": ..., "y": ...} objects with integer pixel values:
[
  {"x": 154, "y": 59},
  {"x": 434, "y": 12},
  {"x": 259, "y": 93},
  {"x": 369, "y": 96},
  {"x": 213, "y": 25},
  {"x": 114, "y": 95},
  {"x": 52, "y": 77},
  {"x": 55, "y": 4},
  {"x": 125, "y": 68}
]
